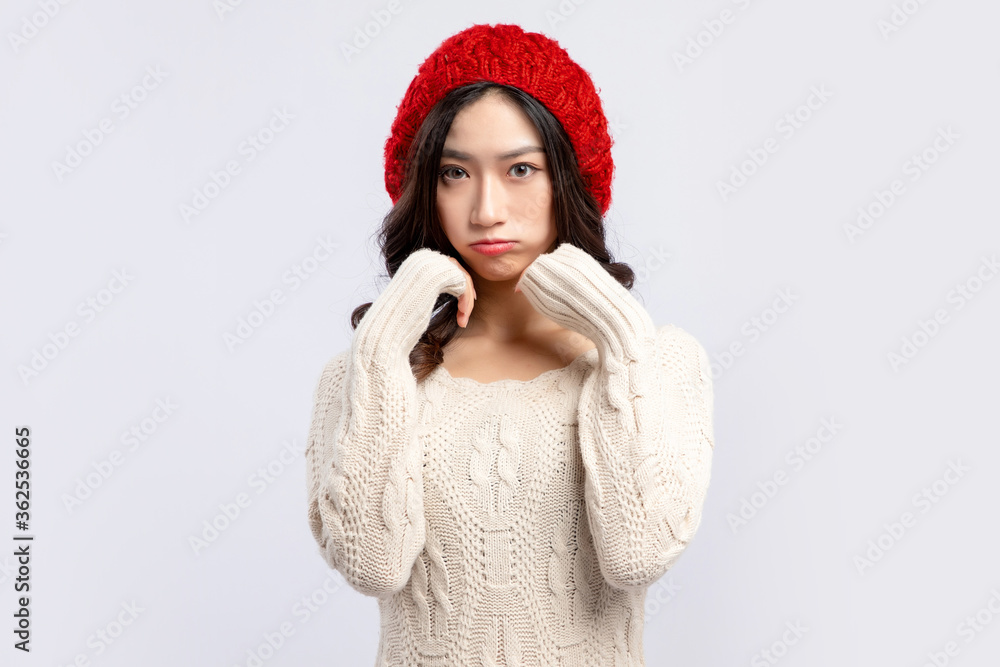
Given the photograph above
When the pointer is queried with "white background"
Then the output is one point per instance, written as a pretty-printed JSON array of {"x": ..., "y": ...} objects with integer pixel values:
[{"x": 680, "y": 129}]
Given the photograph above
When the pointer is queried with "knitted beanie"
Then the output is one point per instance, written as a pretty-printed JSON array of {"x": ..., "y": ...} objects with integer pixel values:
[{"x": 506, "y": 54}]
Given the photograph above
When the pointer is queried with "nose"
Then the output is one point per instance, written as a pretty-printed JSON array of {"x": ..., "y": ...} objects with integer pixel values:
[{"x": 490, "y": 206}]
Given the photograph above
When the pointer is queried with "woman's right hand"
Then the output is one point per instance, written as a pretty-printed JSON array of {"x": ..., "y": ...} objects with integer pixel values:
[{"x": 467, "y": 300}]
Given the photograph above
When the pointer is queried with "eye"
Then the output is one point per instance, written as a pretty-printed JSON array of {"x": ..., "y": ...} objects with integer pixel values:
[
  {"x": 525, "y": 166},
  {"x": 445, "y": 170}
]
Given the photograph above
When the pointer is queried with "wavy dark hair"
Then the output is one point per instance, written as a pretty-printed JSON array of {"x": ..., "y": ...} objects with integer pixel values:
[{"x": 413, "y": 222}]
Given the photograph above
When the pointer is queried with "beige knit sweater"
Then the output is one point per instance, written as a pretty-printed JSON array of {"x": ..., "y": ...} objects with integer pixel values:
[{"x": 512, "y": 522}]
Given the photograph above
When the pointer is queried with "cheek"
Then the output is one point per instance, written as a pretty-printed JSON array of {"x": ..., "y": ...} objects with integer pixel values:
[
  {"x": 447, "y": 213},
  {"x": 441, "y": 206},
  {"x": 447, "y": 201},
  {"x": 537, "y": 204}
]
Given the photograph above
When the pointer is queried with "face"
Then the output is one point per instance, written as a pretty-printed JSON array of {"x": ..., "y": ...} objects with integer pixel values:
[{"x": 494, "y": 183}]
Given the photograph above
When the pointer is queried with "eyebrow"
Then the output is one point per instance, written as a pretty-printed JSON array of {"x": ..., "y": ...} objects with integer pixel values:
[{"x": 517, "y": 152}]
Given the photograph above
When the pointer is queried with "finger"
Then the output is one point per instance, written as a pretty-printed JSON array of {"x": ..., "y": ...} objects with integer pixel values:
[
  {"x": 463, "y": 307},
  {"x": 469, "y": 305}
]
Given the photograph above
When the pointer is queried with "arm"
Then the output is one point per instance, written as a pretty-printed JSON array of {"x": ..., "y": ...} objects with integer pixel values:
[
  {"x": 645, "y": 417},
  {"x": 363, "y": 459}
]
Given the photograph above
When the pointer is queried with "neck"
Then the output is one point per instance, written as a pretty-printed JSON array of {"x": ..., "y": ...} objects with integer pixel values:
[{"x": 503, "y": 315}]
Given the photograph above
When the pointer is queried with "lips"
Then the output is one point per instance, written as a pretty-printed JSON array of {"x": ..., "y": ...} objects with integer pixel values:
[{"x": 493, "y": 247}]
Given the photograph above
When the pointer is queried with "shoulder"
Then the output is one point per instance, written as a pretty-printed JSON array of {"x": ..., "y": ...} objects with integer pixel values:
[
  {"x": 681, "y": 353},
  {"x": 337, "y": 363},
  {"x": 333, "y": 372},
  {"x": 674, "y": 335}
]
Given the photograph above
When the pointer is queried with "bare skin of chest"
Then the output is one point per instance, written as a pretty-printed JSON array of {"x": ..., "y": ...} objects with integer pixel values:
[{"x": 486, "y": 360}]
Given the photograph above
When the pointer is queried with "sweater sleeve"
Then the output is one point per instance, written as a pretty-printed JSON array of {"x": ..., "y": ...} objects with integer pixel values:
[
  {"x": 645, "y": 417},
  {"x": 363, "y": 458}
]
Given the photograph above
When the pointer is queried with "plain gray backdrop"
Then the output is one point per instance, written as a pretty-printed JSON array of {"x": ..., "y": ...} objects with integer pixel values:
[{"x": 189, "y": 196}]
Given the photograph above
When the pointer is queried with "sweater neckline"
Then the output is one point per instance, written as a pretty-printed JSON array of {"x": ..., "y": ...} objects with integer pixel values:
[{"x": 441, "y": 373}]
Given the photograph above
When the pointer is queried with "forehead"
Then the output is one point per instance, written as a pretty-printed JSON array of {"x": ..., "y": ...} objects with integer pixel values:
[{"x": 491, "y": 124}]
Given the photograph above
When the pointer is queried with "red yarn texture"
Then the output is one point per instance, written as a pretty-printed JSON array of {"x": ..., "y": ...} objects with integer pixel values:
[{"x": 505, "y": 53}]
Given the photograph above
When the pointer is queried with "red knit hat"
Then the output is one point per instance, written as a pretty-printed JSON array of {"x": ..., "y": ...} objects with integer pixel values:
[{"x": 506, "y": 54}]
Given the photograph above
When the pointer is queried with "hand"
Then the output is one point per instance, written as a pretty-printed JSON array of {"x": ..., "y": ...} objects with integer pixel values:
[{"x": 467, "y": 300}]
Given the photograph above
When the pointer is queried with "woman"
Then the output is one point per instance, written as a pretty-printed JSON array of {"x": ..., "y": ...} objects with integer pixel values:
[{"x": 507, "y": 476}]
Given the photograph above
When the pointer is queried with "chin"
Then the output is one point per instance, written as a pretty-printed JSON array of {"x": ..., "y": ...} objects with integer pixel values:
[{"x": 499, "y": 269}]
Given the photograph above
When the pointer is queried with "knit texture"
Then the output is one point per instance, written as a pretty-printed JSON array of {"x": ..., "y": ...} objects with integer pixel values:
[
  {"x": 511, "y": 522},
  {"x": 505, "y": 53}
]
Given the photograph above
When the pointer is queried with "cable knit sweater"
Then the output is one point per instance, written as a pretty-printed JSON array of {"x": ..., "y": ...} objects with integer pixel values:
[{"x": 512, "y": 522}]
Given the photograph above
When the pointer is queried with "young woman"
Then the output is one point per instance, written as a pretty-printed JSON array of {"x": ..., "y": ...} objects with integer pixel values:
[{"x": 510, "y": 451}]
